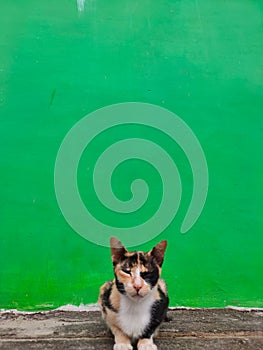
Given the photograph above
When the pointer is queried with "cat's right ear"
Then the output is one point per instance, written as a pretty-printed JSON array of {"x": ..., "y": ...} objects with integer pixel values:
[{"x": 117, "y": 250}]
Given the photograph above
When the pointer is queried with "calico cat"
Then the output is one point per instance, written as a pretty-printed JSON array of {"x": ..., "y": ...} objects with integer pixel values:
[{"x": 135, "y": 303}]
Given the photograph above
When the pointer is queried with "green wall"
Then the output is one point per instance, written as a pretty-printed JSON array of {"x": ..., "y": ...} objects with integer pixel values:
[{"x": 201, "y": 59}]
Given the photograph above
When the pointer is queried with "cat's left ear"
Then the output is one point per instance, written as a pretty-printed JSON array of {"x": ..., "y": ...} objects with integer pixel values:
[
  {"x": 117, "y": 250},
  {"x": 158, "y": 252}
]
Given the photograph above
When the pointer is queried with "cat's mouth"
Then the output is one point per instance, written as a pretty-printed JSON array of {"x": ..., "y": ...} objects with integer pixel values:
[{"x": 137, "y": 296}]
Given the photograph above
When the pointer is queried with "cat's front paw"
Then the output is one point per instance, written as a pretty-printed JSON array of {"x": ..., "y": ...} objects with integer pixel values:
[
  {"x": 122, "y": 346},
  {"x": 147, "y": 347}
]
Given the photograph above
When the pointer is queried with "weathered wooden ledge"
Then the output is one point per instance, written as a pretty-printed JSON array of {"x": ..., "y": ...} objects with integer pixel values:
[{"x": 192, "y": 329}]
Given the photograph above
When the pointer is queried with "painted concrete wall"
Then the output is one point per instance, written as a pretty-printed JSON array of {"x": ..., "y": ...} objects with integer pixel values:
[{"x": 199, "y": 59}]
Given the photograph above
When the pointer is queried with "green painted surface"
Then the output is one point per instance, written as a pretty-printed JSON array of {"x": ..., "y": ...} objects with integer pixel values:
[{"x": 200, "y": 59}]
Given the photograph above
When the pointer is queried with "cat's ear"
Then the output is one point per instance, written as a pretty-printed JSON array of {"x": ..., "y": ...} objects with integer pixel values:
[
  {"x": 158, "y": 252},
  {"x": 117, "y": 250}
]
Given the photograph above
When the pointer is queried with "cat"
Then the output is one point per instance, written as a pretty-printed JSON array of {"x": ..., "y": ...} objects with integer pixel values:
[{"x": 135, "y": 303}]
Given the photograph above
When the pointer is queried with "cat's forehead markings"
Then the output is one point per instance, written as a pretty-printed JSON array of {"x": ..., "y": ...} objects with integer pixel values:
[
  {"x": 132, "y": 257},
  {"x": 142, "y": 258},
  {"x": 136, "y": 258},
  {"x": 129, "y": 254}
]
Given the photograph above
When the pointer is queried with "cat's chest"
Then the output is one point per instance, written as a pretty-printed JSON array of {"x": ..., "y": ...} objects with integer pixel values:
[{"x": 133, "y": 317}]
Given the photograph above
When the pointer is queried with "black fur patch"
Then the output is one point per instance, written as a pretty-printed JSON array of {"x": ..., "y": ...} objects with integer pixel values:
[
  {"x": 133, "y": 259},
  {"x": 120, "y": 286},
  {"x": 106, "y": 299},
  {"x": 142, "y": 259},
  {"x": 158, "y": 313},
  {"x": 151, "y": 276},
  {"x": 128, "y": 261}
]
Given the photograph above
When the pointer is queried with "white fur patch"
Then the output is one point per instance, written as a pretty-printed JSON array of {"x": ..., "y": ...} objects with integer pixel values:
[
  {"x": 122, "y": 347},
  {"x": 134, "y": 315},
  {"x": 147, "y": 347}
]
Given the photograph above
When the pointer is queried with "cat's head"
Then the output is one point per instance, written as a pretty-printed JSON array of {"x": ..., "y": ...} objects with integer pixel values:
[{"x": 136, "y": 273}]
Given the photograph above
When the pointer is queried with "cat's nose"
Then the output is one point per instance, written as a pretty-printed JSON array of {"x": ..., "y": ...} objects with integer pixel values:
[{"x": 137, "y": 287}]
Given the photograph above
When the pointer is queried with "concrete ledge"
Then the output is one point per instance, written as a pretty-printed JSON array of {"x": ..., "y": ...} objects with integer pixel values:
[{"x": 187, "y": 329}]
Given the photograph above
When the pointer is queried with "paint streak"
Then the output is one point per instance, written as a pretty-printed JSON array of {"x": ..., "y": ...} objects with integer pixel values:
[
  {"x": 81, "y": 5},
  {"x": 52, "y": 97}
]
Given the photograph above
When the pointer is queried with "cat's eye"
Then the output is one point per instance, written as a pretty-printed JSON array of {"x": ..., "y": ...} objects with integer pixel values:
[
  {"x": 145, "y": 274},
  {"x": 125, "y": 270}
]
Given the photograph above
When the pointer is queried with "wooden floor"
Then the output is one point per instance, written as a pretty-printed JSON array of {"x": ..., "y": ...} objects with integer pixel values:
[{"x": 186, "y": 330}]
